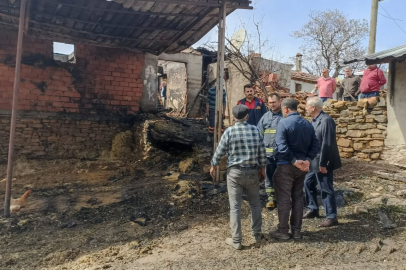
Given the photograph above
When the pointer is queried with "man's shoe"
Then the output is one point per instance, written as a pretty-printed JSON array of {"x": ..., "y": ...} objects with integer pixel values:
[
  {"x": 297, "y": 235},
  {"x": 230, "y": 242},
  {"x": 258, "y": 238},
  {"x": 271, "y": 205},
  {"x": 311, "y": 214},
  {"x": 329, "y": 222},
  {"x": 279, "y": 235}
]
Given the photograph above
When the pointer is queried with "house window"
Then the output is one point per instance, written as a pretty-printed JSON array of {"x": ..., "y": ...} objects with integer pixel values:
[
  {"x": 64, "y": 52},
  {"x": 298, "y": 87}
]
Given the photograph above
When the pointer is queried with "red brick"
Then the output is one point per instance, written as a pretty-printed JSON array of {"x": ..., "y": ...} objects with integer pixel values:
[
  {"x": 43, "y": 97},
  {"x": 123, "y": 83},
  {"x": 57, "y": 104}
]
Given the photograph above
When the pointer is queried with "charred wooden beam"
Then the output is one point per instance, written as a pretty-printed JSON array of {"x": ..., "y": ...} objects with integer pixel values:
[{"x": 87, "y": 32}]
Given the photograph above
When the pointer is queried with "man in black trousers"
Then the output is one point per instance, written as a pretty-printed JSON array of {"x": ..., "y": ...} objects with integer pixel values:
[{"x": 322, "y": 167}]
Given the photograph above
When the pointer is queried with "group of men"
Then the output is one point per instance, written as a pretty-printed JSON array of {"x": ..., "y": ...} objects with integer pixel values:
[
  {"x": 286, "y": 150},
  {"x": 352, "y": 87}
]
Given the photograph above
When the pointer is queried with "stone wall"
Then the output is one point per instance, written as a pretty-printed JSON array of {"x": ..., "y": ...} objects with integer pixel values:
[
  {"x": 361, "y": 127},
  {"x": 51, "y": 135}
]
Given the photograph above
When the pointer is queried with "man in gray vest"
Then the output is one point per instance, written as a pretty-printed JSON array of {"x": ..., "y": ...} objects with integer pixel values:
[{"x": 267, "y": 125}]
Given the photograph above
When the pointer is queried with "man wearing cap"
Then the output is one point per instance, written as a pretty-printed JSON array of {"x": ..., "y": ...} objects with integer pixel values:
[
  {"x": 296, "y": 146},
  {"x": 243, "y": 144},
  {"x": 267, "y": 125}
]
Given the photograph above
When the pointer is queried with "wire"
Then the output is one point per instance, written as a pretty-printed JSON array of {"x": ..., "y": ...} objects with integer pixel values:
[{"x": 392, "y": 19}]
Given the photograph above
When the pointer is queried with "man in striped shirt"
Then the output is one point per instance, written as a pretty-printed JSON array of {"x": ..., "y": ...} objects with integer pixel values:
[
  {"x": 211, "y": 109},
  {"x": 244, "y": 145}
]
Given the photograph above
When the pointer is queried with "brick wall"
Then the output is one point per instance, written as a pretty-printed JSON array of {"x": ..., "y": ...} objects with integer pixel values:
[
  {"x": 52, "y": 135},
  {"x": 103, "y": 80}
]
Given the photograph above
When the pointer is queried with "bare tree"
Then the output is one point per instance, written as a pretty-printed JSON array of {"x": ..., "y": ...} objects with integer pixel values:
[
  {"x": 330, "y": 38},
  {"x": 257, "y": 57}
]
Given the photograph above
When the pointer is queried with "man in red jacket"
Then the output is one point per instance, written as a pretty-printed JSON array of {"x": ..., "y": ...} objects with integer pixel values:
[{"x": 372, "y": 81}]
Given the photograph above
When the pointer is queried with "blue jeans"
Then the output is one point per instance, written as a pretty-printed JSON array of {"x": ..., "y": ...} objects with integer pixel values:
[
  {"x": 247, "y": 180},
  {"x": 325, "y": 182},
  {"x": 324, "y": 99},
  {"x": 270, "y": 170},
  {"x": 368, "y": 95}
]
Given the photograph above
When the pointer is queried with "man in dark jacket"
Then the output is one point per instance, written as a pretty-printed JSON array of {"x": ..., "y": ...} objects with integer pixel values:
[
  {"x": 256, "y": 106},
  {"x": 296, "y": 146},
  {"x": 267, "y": 125},
  {"x": 322, "y": 167},
  {"x": 349, "y": 88}
]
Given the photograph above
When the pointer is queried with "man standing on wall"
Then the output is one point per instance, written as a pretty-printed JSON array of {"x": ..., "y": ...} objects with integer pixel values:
[
  {"x": 326, "y": 85},
  {"x": 211, "y": 110},
  {"x": 256, "y": 106},
  {"x": 268, "y": 126},
  {"x": 322, "y": 167},
  {"x": 244, "y": 146},
  {"x": 372, "y": 81},
  {"x": 349, "y": 88},
  {"x": 296, "y": 145}
]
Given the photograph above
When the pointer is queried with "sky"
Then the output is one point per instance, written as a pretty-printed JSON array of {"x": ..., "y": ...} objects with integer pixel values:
[{"x": 283, "y": 17}]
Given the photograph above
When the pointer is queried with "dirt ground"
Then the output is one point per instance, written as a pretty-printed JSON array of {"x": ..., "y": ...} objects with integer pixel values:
[{"x": 111, "y": 214}]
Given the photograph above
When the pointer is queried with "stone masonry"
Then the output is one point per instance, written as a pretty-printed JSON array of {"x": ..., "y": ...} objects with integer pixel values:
[{"x": 361, "y": 128}]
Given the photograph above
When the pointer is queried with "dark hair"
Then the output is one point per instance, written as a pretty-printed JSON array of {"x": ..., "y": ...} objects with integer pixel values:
[
  {"x": 278, "y": 97},
  {"x": 290, "y": 103},
  {"x": 247, "y": 86}
]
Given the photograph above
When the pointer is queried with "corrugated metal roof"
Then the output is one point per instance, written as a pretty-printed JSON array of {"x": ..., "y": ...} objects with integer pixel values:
[
  {"x": 397, "y": 53},
  {"x": 153, "y": 26}
]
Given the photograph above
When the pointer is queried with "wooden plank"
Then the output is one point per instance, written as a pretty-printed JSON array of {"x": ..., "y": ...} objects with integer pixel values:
[
  {"x": 220, "y": 82},
  {"x": 14, "y": 109}
]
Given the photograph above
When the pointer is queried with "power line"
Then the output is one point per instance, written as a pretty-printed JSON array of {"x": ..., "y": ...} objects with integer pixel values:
[{"x": 392, "y": 19}]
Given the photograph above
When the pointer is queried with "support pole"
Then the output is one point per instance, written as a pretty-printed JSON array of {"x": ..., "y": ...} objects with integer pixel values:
[
  {"x": 14, "y": 108},
  {"x": 372, "y": 26},
  {"x": 219, "y": 82}
]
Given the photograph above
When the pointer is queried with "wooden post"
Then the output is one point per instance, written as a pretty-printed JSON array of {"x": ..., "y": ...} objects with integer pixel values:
[
  {"x": 14, "y": 108},
  {"x": 220, "y": 81},
  {"x": 372, "y": 26}
]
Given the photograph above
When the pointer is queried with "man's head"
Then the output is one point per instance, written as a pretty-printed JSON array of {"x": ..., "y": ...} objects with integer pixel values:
[
  {"x": 274, "y": 102},
  {"x": 371, "y": 66},
  {"x": 348, "y": 71},
  {"x": 240, "y": 113},
  {"x": 249, "y": 91},
  {"x": 325, "y": 72},
  {"x": 314, "y": 106},
  {"x": 289, "y": 105}
]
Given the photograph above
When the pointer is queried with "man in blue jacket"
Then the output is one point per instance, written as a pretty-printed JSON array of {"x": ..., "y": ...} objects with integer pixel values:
[
  {"x": 268, "y": 126},
  {"x": 296, "y": 146},
  {"x": 256, "y": 106}
]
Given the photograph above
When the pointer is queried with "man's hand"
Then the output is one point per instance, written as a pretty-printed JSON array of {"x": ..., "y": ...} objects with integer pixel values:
[
  {"x": 262, "y": 173},
  {"x": 213, "y": 171},
  {"x": 303, "y": 165},
  {"x": 323, "y": 169}
]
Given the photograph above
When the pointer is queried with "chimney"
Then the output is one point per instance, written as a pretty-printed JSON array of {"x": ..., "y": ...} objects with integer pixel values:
[{"x": 299, "y": 62}]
